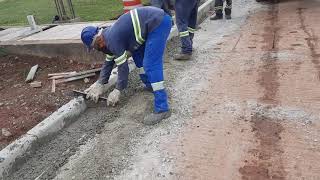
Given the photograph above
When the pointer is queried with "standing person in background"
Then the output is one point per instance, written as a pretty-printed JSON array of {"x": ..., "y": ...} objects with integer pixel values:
[
  {"x": 218, "y": 7},
  {"x": 186, "y": 19}
]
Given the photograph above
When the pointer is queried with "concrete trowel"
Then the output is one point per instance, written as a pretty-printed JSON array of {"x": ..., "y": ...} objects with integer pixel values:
[{"x": 83, "y": 94}]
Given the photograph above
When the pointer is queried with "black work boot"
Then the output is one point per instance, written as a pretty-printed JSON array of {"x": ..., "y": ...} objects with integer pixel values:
[
  {"x": 155, "y": 118},
  {"x": 148, "y": 89},
  {"x": 216, "y": 17},
  {"x": 227, "y": 12},
  {"x": 182, "y": 56}
]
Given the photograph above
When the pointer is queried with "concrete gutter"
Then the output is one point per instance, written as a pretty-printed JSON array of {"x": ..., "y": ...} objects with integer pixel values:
[{"x": 16, "y": 152}]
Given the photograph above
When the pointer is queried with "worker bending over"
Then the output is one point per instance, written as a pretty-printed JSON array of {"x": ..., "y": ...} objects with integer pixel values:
[{"x": 143, "y": 33}]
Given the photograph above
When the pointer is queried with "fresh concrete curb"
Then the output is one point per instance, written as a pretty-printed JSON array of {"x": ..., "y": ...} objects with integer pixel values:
[
  {"x": 14, "y": 154},
  {"x": 59, "y": 119}
]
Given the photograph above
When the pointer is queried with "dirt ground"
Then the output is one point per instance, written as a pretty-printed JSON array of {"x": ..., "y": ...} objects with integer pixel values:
[
  {"x": 22, "y": 107},
  {"x": 246, "y": 107}
]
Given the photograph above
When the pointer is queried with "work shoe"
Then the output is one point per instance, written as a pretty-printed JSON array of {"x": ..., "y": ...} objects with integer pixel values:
[
  {"x": 182, "y": 56},
  {"x": 148, "y": 89},
  {"x": 228, "y": 16},
  {"x": 215, "y": 17},
  {"x": 155, "y": 118}
]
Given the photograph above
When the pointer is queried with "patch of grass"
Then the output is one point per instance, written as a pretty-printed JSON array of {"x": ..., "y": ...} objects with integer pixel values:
[{"x": 14, "y": 12}]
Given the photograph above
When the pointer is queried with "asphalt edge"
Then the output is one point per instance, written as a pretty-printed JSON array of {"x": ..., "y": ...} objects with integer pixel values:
[{"x": 14, "y": 154}]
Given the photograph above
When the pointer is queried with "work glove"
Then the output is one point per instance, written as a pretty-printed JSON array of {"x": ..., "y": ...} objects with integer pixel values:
[
  {"x": 113, "y": 97},
  {"x": 94, "y": 91}
]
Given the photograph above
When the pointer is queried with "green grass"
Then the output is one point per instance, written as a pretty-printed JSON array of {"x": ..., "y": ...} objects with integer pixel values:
[{"x": 14, "y": 12}]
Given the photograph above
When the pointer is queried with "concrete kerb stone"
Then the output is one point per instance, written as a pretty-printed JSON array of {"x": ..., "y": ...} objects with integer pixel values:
[
  {"x": 16, "y": 151},
  {"x": 59, "y": 119}
]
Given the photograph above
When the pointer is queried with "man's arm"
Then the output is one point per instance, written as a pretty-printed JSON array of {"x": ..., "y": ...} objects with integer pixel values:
[
  {"x": 123, "y": 71},
  {"x": 106, "y": 70}
]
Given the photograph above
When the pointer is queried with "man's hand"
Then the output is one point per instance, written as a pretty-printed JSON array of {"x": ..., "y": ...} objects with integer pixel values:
[
  {"x": 94, "y": 91},
  {"x": 113, "y": 97}
]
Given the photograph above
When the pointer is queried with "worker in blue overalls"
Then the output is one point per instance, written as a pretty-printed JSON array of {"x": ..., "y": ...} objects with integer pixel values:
[
  {"x": 186, "y": 19},
  {"x": 143, "y": 33}
]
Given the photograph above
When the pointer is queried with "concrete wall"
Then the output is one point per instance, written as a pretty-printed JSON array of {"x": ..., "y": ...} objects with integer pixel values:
[{"x": 70, "y": 51}]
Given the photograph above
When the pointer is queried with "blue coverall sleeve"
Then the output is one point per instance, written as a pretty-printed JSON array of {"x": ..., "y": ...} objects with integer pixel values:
[
  {"x": 106, "y": 72},
  {"x": 123, "y": 68},
  {"x": 123, "y": 73}
]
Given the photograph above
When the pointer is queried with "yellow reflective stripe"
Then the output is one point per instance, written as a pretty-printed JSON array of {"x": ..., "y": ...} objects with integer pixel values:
[
  {"x": 157, "y": 86},
  {"x": 184, "y": 33},
  {"x": 191, "y": 30},
  {"x": 228, "y": 6},
  {"x": 120, "y": 60},
  {"x": 109, "y": 57},
  {"x": 141, "y": 70},
  {"x": 218, "y": 8},
  {"x": 136, "y": 26}
]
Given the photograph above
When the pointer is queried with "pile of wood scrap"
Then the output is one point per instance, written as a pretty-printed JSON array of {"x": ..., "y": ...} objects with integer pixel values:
[{"x": 70, "y": 76}]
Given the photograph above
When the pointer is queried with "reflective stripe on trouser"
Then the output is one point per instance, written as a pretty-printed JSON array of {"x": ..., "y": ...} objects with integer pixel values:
[
  {"x": 218, "y": 7},
  {"x": 138, "y": 60},
  {"x": 153, "y": 62},
  {"x": 186, "y": 18}
]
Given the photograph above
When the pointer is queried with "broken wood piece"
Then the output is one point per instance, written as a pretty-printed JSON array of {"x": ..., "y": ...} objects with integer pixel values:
[
  {"x": 53, "y": 88},
  {"x": 75, "y": 78},
  {"x": 61, "y": 74},
  {"x": 32, "y": 73},
  {"x": 86, "y": 80},
  {"x": 35, "y": 84},
  {"x": 76, "y": 74},
  {"x": 57, "y": 77}
]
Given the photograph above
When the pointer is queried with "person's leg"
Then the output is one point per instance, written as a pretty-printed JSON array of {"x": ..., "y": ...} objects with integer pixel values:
[
  {"x": 227, "y": 9},
  {"x": 138, "y": 56},
  {"x": 218, "y": 7},
  {"x": 162, "y": 4},
  {"x": 153, "y": 66},
  {"x": 183, "y": 11},
  {"x": 166, "y": 8},
  {"x": 193, "y": 21},
  {"x": 156, "y": 3}
]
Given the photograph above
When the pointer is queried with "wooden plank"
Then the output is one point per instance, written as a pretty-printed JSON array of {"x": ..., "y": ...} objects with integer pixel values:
[
  {"x": 75, "y": 78},
  {"x": 32, "y": 73},
  {"x": 36, "y": 84},
  {"x": 53, "y": 88},
  {"x": 76, "y": 74},
  {"x": 61, "y": 73}
]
